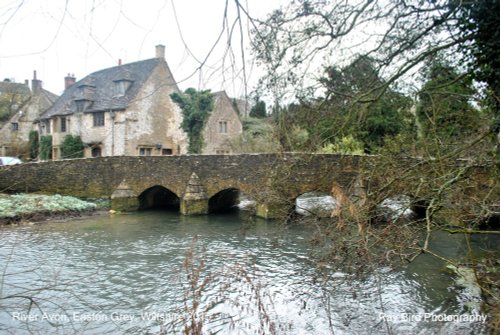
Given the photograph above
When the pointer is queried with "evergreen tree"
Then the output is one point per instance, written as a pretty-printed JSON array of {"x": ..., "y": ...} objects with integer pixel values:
[
  {"x": 259, "y": 109},
  {"x": 34, "y": 144},
  {"x": 72, "y": 147},
  {"x": 360, "y": 104},
  {"x": 444, "y": 111},
  {"x": 46, "y": 147}
]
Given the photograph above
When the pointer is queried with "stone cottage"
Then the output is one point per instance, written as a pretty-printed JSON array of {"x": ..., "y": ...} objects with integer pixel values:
[
  {"x": 24, "y": 107},
  {"x": 223, "y": 126},
  {"x": 122, "y": 110}
]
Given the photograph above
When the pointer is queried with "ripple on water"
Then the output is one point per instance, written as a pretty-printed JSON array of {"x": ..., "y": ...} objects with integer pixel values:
[{"x": 133, "y": 264}]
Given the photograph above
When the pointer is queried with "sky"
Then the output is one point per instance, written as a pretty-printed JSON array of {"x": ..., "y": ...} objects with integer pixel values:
[{"x": 57, "y": 37}]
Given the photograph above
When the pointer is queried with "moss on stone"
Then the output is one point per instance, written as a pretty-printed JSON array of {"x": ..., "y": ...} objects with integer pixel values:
[
  {"x": 194, "y": 207},
  {"x": 125, "y": 204}
]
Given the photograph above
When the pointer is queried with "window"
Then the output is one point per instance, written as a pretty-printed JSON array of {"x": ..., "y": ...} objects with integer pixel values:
[
  {"x": 221, "y": 152},
  {"x": 145, "y": 151},
  {"x": 96, "y": 152},
  {"x": 223, "y": 127},
  {"x": 14, "y": 126},
  {"x": 80, "y": 105},
  {"x": 63, "y": 125},
  {"x": 119, "y": 88},
  {"x": 99, "y": 119},
  {"x": 166, "y": 152},
  {"x": 46, "y": 126}
]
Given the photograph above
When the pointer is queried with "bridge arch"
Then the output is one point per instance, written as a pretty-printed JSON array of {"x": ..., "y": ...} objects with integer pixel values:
[
  {"x": 223, "y": 201},
  {"x": 315, "y": 203},
  {"x": 158, "y": 197}
]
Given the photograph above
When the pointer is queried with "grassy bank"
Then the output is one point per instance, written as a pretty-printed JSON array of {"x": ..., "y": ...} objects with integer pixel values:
[{"x": 36, "y": 207}]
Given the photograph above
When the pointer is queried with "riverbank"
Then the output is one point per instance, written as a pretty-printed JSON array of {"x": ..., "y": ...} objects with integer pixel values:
[{"x": 32, "y": 208}]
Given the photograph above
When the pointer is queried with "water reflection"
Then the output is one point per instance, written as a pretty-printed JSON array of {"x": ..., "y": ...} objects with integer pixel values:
[{"x": 130, "y": 274}]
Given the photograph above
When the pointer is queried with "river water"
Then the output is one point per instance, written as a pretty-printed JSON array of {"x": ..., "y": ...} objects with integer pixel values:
[{"x": 159, "y": 272}]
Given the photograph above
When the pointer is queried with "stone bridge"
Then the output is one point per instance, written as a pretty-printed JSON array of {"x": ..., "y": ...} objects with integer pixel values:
[{"x": 195, "y": 184}]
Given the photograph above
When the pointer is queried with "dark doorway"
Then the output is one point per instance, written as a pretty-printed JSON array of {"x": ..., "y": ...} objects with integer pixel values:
[
  {"x": 225, "y": 201},
  {"x": 96, "y": 152},
  {"x": 159, "y": 197}
]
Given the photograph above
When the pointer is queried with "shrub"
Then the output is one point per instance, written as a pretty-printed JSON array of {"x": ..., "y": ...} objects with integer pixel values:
[
  {"x": 72, "y": 147},
  {"x": 34, "y": 144},
  {"x": 46, "y": 147}
]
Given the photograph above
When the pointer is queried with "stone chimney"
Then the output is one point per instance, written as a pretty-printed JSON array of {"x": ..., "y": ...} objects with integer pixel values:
[
  {"x": 69, "y": 80},
  {"x": 36, "y": 85},
  {"x": 160, "y": 51}
]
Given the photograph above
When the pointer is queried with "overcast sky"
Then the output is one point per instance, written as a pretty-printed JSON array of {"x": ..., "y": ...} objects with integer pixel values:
[{"x": 57, "y": 37}]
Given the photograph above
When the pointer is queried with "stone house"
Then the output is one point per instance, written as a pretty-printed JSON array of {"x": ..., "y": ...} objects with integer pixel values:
[
  {"x": 25, "y": 107},
  {"x": 223, "y": 126},
  {"x": 124, "y": 110}
]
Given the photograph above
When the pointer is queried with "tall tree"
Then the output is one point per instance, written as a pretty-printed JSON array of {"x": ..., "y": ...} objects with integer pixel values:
[
  {"x": 346, "y": 110},
  {"x": 12, "y": 97},
  {"x": 444, "y": 110},
  {"x": 479, "y": 20},
  {"x": 34, "y": 144},
  {"x": 258, "y": 109}
]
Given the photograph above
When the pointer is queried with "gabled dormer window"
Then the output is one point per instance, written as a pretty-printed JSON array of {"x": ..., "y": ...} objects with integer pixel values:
[
  {"x": 80, "y": 105},
  {"x": 121, "y": 87}
]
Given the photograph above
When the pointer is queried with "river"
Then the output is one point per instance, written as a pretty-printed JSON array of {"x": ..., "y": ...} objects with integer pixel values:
[{"x": 150, "y": 272}]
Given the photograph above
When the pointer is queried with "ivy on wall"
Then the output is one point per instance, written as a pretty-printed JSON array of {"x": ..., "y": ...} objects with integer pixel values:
[
  {"x": 196, "y": 107},
  {"x": 46, "y": 147}
]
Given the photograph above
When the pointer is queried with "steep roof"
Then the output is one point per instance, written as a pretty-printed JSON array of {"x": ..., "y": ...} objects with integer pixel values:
[
  {"x": 223, "y": 95},
  {"x": 46, "y": 99},
  {"x": 98, "y": 88},
  {"x": 51, "y": 97},
  {"x": 220, "y": 94}
]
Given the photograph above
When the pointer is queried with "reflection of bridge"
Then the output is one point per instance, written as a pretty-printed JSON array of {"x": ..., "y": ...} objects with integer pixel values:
[{"x": 199, "y": 184}]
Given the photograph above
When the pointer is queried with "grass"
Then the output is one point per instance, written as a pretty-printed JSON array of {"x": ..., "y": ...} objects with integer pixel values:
[{"x": 16, "y": 205}]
